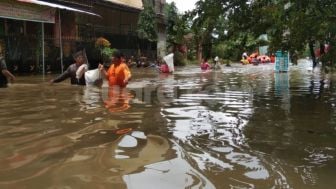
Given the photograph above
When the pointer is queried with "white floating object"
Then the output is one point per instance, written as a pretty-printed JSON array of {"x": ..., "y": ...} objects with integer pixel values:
[
  {"x": 169, "y": 59},
  {"x": 139, "y": 134},
  {"x": 121, "y": 157},
  {"x": 128, "y": 142}
]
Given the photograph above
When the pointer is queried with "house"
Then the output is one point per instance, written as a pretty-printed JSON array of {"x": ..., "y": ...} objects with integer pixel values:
[{"x": 61, "y": 27}]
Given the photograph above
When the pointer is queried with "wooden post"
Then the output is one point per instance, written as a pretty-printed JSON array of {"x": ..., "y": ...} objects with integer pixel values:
[
  {"x": 43, "y": 62},
  {"x": 60, "y": 38}
]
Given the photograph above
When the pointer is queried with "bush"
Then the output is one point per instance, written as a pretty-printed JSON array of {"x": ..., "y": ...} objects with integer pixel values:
[
  {"x": 227, "y": 51},
  {"x": 180, "y": 59}
]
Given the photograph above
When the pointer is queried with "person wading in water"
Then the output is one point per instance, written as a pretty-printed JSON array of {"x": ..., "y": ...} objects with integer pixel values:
[
  {"x": 75, "y": 71},
  {"x": 5, "y": 75}
]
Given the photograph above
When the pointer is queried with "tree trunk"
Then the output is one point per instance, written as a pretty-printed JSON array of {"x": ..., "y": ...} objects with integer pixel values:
[
  {"x": 322, "y": 52},
  {"x": 199, "y": 52},
  {"x": 294, "y": 57},
  {"x": 312, "y": 53}
]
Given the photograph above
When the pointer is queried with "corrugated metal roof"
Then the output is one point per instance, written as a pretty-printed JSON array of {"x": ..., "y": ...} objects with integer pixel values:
[{"x": 129, "y": 3}]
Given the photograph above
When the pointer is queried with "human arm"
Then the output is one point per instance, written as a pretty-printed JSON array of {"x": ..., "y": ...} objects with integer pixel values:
[
  {"x": 9, "y": 75},
  {"x": 81, "y": 70},
  {"x": 5, "y": 71},
  {"x": 127, "y": 74},
  {"x": 208, "y": 65},
  {"x": 61, "y": 77},
  {"x": 102, "y": 70}
]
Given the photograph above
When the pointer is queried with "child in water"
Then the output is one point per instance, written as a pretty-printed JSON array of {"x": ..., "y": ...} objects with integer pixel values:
[
  {"x": 164, "y": 67},
  {"x": 205, "y": 65}
]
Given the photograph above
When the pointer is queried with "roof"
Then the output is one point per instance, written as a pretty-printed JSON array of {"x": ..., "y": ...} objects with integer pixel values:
[
  {"x": 54, "y": 5},
  {"x": 137, "y": 4}
]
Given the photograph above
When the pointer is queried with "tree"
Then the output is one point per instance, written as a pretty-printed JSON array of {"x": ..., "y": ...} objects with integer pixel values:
[
  {"x": 172, "y": 20},
  {"x": 177, "y": 26},
  {"x": 177, "y": 30},
  {"x": 146, "y": 28},
  {"x": 292, "y": 25},
  {"x": 204, "y": 19}
]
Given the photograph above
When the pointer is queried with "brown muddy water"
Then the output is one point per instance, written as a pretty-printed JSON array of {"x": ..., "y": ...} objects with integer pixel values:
[{"x": 239, "y": 127}]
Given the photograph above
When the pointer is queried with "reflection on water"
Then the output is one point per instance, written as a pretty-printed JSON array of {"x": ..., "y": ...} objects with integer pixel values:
[
  {"x": 117, "y": 99},
  {"x": 239, "y": 127}
]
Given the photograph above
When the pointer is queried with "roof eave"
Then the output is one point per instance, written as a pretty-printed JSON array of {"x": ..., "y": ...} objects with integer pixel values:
[{"x": 137, "y": 8}]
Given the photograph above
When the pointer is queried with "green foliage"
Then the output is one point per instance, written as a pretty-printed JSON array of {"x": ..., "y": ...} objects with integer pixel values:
[
  {"x": 232, "y": 48},
  {"x": 204, "y": 21},
  {"x": 178, "y": 31},
  {"x": 172, "y": 19},
  {"x": 179, "y": 59},
  {"x": 292, "y": 24},
  {"x": 147, "y": 23},
  {"x": 289, "y": 25},
  {"x": 222, "y": 50},
  {"x": 229, "y": 27},
  {"x": 177, "y": 26},
  {"x": 107, "y": 52}
]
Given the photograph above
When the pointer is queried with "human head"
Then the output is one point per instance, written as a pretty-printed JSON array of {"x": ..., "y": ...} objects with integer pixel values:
[
  {"x": 79, "y": 57},
  {"x": 116, "y": 56}
]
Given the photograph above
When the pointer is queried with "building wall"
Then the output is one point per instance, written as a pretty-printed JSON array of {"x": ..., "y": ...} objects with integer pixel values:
[
  {"x": 117, "y": 23},
  {"x": 112, "y": 21}
]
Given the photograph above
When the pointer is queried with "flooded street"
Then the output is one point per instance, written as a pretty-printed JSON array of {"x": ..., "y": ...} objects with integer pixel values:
[{"x": 239, "y": 127}]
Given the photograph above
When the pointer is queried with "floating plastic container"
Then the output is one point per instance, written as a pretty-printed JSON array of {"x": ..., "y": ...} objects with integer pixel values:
[
  {"x": 169, "y": 59},
  {"x": 281, "y": 61}
]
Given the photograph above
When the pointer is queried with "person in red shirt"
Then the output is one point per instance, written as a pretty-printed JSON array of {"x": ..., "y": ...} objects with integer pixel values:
[
  {"x": 205, "y": 65},
  {"x": 272, "y": 58},
  {"x": 118, "y": 73},
  {"x": 164, "y": 68}
]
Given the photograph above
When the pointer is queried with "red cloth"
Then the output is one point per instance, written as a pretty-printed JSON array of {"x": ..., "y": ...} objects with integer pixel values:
[
  {"x": 205, "y": 66},
  {"x": 164, "y": 68}
]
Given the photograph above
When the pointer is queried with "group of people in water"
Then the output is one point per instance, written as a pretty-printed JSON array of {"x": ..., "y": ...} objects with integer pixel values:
[
  {"x": 256, "y": 59},
  {"x": 117, "y": 74},
  {"x": 206, "y": 66}
]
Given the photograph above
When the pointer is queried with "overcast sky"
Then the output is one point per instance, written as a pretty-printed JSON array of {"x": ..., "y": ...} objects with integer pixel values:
[{"x": 183, "y": 5}]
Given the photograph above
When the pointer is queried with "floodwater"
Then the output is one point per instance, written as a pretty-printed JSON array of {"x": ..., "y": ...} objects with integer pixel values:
[{"x": 238, "y": 127}]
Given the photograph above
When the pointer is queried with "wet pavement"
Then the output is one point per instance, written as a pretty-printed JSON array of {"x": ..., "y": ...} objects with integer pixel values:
[{"x": 237, "y": 127}]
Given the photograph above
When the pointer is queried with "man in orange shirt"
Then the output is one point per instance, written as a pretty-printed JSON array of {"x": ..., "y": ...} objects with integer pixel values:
[{"x": 118, "y": 73}]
